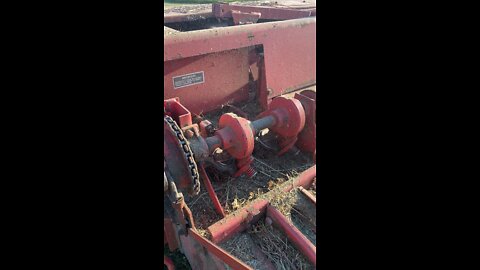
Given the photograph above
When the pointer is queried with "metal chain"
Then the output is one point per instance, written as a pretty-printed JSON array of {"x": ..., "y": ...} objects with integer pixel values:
[{"x": 188, "y": 154}]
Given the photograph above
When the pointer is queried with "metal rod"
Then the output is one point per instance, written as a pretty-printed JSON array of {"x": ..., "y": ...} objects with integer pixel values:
[
  {"x": 262, "y": 123},
  {"x": 308, "y": 195},
  {"x": 213, "y": 143},
  {"x": 298, "y": 239},
  {"x": 211, "y": 191}
]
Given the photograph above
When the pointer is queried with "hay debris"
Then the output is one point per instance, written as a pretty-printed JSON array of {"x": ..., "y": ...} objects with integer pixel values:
[
  {"x": 240, "y": 246},
  {"x": 278, "y": 249}
]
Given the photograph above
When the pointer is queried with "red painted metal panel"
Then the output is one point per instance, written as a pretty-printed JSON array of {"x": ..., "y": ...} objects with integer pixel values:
[
  {"x": 289, "y": 51},
  {"x": 226, "y": 79},
  {"x": 237, "y": 222}
]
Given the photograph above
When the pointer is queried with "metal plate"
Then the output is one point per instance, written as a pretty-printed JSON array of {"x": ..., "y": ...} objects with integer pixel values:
[{"x": 188, "y": 80}]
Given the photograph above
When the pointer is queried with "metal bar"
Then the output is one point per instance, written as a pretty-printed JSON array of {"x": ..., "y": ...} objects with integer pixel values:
[
  {"x": 308, "y": 195},
  {"x": 298, "y": 239},
  {"x": 263, "y": 123},
  {"x": 219, "y": 252},
  {"x": 211, "y": 191},
  {"x": 229, "y": 226},
  {"x": 304, "y": 180},
  {"x": 213, "y": 142},
  {"x": 229, "y": 38},
  {"x": 237, "y": 222},
  {"x": 267, "y": 13}
]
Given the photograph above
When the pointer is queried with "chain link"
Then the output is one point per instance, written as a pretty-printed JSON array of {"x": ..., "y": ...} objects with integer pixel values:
[{"x": 188, "y": 154}]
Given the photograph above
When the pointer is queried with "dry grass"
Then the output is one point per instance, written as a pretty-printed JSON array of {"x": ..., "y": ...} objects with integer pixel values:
[
  {"x": 237, "y": 247},
  {"x": 278, "y": 249},
  {"x": 272, "y": 243},
  {"x": 298, "y": 210}
]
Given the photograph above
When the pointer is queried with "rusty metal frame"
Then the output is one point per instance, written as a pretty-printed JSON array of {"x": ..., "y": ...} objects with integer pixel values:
[
  {"x": 237, "y": 222},
  {"x": 289, "y": 54},
  {"x": 266, "y": 13}
]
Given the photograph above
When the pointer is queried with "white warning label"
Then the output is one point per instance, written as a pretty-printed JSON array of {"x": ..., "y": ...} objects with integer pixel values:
[{"x": 188, "y": 79}]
